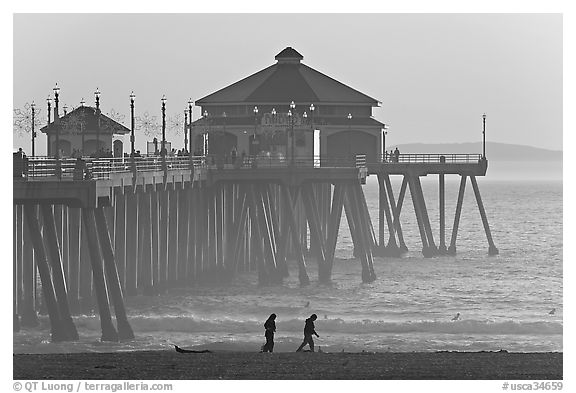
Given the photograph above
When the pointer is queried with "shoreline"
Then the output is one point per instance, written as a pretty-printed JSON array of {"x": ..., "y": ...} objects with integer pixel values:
[{"x": 170, "y": 365}]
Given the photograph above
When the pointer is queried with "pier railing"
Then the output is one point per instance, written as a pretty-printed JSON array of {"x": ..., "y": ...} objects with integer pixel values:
[
  {"x": 424, "y": 158},
  {"x": 87, "y": 168},
  {"x": 99, "y": 168},
  {"x": 102, "y": 168},
  {"x": 359, "y": 161}
]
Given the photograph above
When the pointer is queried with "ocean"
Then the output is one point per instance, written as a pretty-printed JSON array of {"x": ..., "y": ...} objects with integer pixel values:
[{"x": 504, "y": 301}]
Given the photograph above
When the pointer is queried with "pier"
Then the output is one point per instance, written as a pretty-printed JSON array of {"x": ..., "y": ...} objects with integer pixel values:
[
  {"x": 254, "y": 190},
  {"x": 139, "y": 226}
]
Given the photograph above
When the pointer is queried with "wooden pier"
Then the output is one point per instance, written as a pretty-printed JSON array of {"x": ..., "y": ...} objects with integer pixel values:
[{"x": 97, "y": 230}]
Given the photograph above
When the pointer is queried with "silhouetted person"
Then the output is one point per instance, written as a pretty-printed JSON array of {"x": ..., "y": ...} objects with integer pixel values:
[
  {"x": 19, "y": 163},
  {"x": 79, "y": 169},
  {"x": 397, "y": 155},
  {"x": 270, "y": 327},
  {"x": 308, "y": 332},
  {"x": 391, "y": 156}
]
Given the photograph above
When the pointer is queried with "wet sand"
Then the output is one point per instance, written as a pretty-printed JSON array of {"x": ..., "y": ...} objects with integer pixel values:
[{"x": 169, "y": 365}]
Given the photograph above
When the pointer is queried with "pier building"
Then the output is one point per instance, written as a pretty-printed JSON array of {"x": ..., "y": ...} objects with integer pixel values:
[
  {"x": 288, "y": 109},
  {"x": 84, "y": 131}
]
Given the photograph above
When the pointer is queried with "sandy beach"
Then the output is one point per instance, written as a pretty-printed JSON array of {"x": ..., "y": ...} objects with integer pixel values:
[{"x": 169, "y": 365}]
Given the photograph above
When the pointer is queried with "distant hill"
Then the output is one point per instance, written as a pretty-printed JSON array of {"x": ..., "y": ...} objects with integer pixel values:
[{"x": 494, "y": 151}]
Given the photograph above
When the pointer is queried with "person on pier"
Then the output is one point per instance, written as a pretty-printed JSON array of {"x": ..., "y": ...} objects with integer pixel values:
[
  {"x": 397, "y": 155},
  {"x": 233, "y": 155},
  {"x": 309, "y": 330},
  {"x": 270, "y": 327}
]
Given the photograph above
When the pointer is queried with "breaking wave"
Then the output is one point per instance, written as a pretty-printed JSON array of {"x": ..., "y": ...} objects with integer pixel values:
[{"x": 188, "y": 324}]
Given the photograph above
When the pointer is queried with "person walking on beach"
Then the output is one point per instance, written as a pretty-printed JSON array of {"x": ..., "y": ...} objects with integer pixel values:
[
  {"x": 309, "y": 330},
  {"x": 270, "y": 327}
]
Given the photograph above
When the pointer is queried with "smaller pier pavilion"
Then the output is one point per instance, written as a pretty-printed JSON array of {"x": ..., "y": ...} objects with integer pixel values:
[{"x": 84, "y": 131}]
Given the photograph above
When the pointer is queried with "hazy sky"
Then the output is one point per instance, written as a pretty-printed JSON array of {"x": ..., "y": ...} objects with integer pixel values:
[{"x": 435, "y": 74}]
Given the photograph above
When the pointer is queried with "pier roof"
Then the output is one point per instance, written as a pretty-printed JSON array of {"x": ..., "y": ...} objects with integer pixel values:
[
  {"x": 85, "y": 117},
  {"x": 288, "y": 80}
]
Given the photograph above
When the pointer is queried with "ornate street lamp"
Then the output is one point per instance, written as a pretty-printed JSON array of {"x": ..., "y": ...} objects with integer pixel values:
[
  {"x": 190, "y": 126},
  {"x": 312, "y": 109},
  {"x": 384, "y": 133},
  {"x": 82, "y": 102},
  {"x": 255, "y": 110},
  {"x": 273, "y": 113},
  {"x": 291, "y": 116},
  {"x": 207, "y": 132},
  {"x": 185, "y": 129},
  {"x": 132, "y": 137},
  {"x": 349, "y": 136},
  {"x": 163, "y": 146},
  {"x": 97, "y": 95},
  {"x": 484, "y": 136},
  {"x": 33, "y": 106},
  {"x": 49, "y": 102},
  {"x": 56, "y": 116}
]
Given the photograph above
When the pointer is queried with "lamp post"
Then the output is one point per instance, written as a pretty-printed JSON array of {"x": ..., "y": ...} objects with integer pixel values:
[
  {"x": 291, "y": 114},
  {"x": 255, "y": 110},
  {"x": 190, "y": 125},
  {"x": 484, "y": 136},
  {"x": 312, "y": 109},
  {"x": 33, "y": 106},
  {"x": 315, "y": 150},
  {"x": 163, "y": 145},
  {"x": 384, "y": 133},
  {"x": 56, "y": 94},
  {"x": 82, "y": 102},
  {"x": 97, "y": 95},
  {"x": 205, "y": 138},
  {"x": 49, "y": 102},
  {"x": 273, "y": 138},
  {"x": 185, "y": 130},
  {"x": 132, "y": 137},
  {"x": 349, "y": 139}
]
